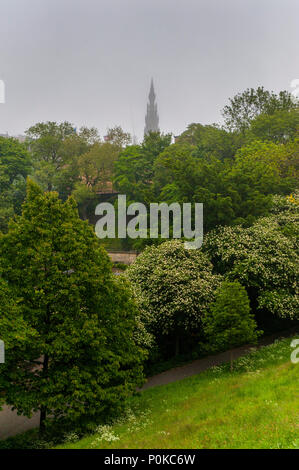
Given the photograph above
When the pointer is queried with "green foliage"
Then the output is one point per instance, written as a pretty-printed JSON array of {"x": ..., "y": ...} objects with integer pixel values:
[
  {"x": 246, "y": 106},
  {"x": 45, "y": 141},
  {"x": 264, "y": 258},
  {"x": 83, "y": 361},
  {"x": 251, "y": 408},
  {"x": 55, "y": 149},
  {"x": 233, "y": 191},
  {"x": 118, "y": 137},
  {"x": 211, "y": 141},
  {"x": 15, "y": 164},
  {"x": 94, "y": 173},
  {"x": 229, "y": 322},
  {"x": 279, "y": 127},
  {"x": 174, "y": 287},
  {"x": 134, "y": 169}
]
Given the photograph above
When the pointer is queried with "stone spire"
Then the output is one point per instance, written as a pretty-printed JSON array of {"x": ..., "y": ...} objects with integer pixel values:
[{"x": 152, "y": 117}]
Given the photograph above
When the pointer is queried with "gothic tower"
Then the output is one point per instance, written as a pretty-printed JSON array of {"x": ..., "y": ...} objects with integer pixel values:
[{"x": 152, "y": 117}]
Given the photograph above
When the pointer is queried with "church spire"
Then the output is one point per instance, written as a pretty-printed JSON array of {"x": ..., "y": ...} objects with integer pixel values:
[{"x": 152, "y": 117}]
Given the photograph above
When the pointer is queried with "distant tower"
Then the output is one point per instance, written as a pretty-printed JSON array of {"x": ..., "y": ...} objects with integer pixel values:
[{"x": 152, "y": 117}]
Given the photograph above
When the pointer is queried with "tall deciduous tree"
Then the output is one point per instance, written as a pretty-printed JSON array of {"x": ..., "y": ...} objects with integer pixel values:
[
  {"x": 83, "y": 361},
  {"x": 246, "y": 106},
  {"x": 119, "y": 138}
]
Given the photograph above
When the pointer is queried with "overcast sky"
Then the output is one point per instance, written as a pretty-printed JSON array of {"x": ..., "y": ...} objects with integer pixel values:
[{"x": 90, "y": 61}]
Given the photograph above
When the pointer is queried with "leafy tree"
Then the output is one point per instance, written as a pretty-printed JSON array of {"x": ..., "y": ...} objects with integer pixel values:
[
  {"x": 260, "y": 170},
  {"x": 55, "y": 149},
  {"x": 174, "y": 287},
  {"x": 280, "y": 127},
  {"x": 83, "y": 361},
  {"x": 89, "y": 135},
  {"x": 211, "y": 141},
  {"x": 233, "y": 191},
  {"x": 118, "y": 137},
  {"x": 264, "y": 258},
  {"x": 246, "y": 106},
  {"x": 15, "y": 164},
  {"x": 13, "y": 328},
  {"x": 95, "y": 173},
  {"x": 176, "y": 173},
  {"x": 134, "y": 169},
  {"x": 45, "y": 141},
  {"x": 229, "y": 322}
]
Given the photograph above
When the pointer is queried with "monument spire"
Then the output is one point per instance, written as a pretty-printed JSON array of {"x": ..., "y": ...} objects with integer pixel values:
[{"x": 152, "y": 117}]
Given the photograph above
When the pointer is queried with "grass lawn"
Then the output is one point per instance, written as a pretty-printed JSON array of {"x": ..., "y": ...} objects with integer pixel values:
[{"x": 256, "y": 406}]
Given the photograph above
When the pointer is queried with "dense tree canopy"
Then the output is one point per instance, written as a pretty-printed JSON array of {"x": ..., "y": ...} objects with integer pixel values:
[
  {"x": 246, "y": 106},
  {"x": 15, "y": 165},
  {"x": 174, "y": 287},
  {"x": 264, "y": 258},
  {"x": 83, "y": 361}
]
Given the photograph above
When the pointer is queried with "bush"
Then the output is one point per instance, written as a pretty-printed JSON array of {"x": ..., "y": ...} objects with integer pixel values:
[{"x": 229, "y": 322}]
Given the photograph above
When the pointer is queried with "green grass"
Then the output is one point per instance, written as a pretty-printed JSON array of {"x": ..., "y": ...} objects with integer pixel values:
[{"x": 256, "y": 406}]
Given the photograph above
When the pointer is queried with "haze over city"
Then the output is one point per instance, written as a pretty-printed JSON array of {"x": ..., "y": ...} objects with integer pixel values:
[{"x": 90, "y": 62}]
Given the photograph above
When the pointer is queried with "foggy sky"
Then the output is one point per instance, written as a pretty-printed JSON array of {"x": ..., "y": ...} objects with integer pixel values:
[{"x": 90, "y": 61}]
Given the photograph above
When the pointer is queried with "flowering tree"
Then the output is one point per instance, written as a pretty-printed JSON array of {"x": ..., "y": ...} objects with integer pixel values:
[
  {"x": 264, "y": 258},
  {"x": 174, "y": 288}
]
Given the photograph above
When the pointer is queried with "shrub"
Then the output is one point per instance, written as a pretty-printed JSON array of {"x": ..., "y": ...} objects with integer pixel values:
[{"x": 229, "y": 322}]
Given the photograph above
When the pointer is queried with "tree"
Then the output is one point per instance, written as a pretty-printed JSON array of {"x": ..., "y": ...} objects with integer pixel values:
[
  {"x": 260, "y": 170},
  {"x": 95, "y": 173},
  {"x": 246, "y": 106},
  {"x": 134, "y": 169},
  {"x": 119, "y": 138},
  {"x": 229, "y": 322},
  {"x": 233, "y": 191},
  {"x": 55, "y": 149},
  {"x": 211, "y": 140},
  {"x": 45, "y": 140},
  {"x": 264, "y": 258},
  {"x": 174, "y": 287},
  {"x": 280, "y": 127},
  {"x": 176, "y": 169},
  {"x": 83, "y": 361},
  {"x": 15, "y": 164},
  {"x": 13, "y": 328}
]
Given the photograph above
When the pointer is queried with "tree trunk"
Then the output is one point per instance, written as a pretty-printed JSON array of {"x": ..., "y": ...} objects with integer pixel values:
[
  {"x": 231, "y": 361},
  {"x": 43, "y": 409},
  {"x": 177, "y": 345},
  {"x": 84, "y": 210},
  {"x": 43, "y": 416}
]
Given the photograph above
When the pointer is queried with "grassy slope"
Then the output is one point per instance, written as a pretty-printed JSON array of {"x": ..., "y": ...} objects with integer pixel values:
[{"x": 257, "y": 406}]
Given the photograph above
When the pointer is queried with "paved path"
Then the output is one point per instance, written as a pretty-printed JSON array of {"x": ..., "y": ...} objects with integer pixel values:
[
  {"x": 12, "y": 424},
  {"x": 200, "y": 365}
]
